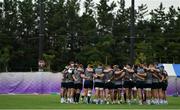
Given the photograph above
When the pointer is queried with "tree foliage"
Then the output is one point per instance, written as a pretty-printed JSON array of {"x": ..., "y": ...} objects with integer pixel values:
[{"x": 100, "y": 35}]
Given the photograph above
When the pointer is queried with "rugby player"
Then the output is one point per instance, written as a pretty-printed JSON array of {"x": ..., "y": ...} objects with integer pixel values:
[
  {"x": 118, "y": 84},
  {"x": 128, "y": 82},
  {"x": 148, "y": 84},
  {"x": 140, "y": 82},
  {"x": 70, "y": 83},
  {"x": 99, "y": 84},
  {"x": 164, "y": 85},
  {"x": 155, "y": 84},
  {"x": 77, "y": 76},
  {"x": 109, "y": 85},
  {"x": 88, "y": 83},
  {"x": 64, "y": 86}
]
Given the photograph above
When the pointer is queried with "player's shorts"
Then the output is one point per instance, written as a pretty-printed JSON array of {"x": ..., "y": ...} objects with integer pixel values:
[
  {"x": 148, "y": 85},
  {"x": 155, "y": 86},
  {"x": 164, "y": 86},
  {"x": 70, "y": 85},
  {"x": 160, "y": 85},
  {"x": 88, "y": 84},
  {"x": 134, "y": 82},
  {"x": 98, "y": 84},
  {"x": 78, "y": 85},
  {"x": 128, "y": 84},
  {"x": 109, "y": 85},
  {"x": 63, "y": 85},
  {"x": 140, "y": 84},
  {"x": 118, "y": 86}
]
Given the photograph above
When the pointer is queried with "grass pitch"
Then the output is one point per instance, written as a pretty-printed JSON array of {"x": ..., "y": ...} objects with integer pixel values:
[{"x": 52, "y": 102}]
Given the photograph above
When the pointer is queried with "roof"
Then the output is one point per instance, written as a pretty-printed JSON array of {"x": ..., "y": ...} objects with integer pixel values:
[{"x": 172, "y": 69}]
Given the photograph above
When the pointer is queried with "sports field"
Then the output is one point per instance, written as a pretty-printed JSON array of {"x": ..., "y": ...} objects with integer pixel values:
[{"x": 52, "y": 102}]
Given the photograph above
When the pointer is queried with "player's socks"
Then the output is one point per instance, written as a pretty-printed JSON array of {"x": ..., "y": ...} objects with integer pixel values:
[
  {"x": 165, "y": 102},
  {"x": 156, "y": 101},
  {"x": 62, "y": 100},
  {"x": 113, "y": 102},
  {"x": 107, "y": 102},
  {"x": 71, "y": 100},
  {"x": 134, "y": 100},
  {"x": 101, "y": 101},
  {"x": 148, "y": 102},
  {"x": 82, "y": 98},
  {"x": 94, "y": 100},
  {"x": 88, "y": 99},
  {"x": 161, "y": 101},
  {"x": 77, "y": 97},
  {"x": 97, "y": 101},
  {"x": 152, "y": 101},
  {"x": 128, "y": 101},
  {"x": 89, "y": 96},
  {"x": 140, "y": 102},
  {"x": 68, "y": 100},
  {"x": 65, "y": 100},
  {"x": 125, "y": 97},
  {"x": 85, "y": 100}
]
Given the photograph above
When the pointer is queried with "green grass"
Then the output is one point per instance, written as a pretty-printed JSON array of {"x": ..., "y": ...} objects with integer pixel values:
[{"x": 52, "y": 102}]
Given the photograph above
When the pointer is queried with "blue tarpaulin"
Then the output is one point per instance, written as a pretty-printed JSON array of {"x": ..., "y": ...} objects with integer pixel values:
[{"x": 177, "y": 69}]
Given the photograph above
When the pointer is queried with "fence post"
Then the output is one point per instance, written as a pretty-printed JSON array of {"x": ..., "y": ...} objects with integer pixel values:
[
  {"x": 6, "y": 69},
  {"x": 176, "y": 88}
]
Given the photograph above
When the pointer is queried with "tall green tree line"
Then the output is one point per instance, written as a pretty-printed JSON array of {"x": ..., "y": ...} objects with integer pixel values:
[{"x": 100, "y": 35}]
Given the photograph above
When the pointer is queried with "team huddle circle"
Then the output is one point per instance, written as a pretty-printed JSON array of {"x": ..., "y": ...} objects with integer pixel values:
[{"x": 131, "y": 84}]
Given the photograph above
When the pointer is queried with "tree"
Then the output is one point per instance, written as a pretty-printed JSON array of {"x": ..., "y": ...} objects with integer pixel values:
[
  {"x": 99, "y": 35},
  {"x": 48, "y": 59},
  {"x": 143, "y": 46},
  {"x": 72, "y": 26},
  {"x": 105, "y": 17},
  {"x": 121, "y": 34},
  {"x": 56, "y": 32},
  {"x": 26, "y": 46},
  {"x": 4, "y": 58},
  {"x": 155, "y": 37},
  {"x": 171, "y": 34}
]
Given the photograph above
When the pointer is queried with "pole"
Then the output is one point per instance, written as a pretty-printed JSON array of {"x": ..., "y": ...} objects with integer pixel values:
[
  {"x": 132, "y": 34},
  {"x": 41, "y": 28},
  {"x": 106, "y": 60},
  {"x": 176, "y": 87}
]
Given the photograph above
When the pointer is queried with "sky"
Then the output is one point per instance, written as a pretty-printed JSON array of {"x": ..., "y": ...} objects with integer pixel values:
[{"x": 151, "y": 3}]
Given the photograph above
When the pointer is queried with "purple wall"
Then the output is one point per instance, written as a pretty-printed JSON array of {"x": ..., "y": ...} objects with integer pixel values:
[
  {"x": 36, "y": 82},
  {"x": 46, "y": 82}
]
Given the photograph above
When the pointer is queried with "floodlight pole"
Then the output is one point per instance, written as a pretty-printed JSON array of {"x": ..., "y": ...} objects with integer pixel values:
[
  {"x": 41, "y": 28},
  {"x": 132, "y": 34}
]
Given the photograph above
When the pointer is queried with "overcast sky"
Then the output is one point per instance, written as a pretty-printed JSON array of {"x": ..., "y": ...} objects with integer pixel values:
[{"x": 152, "y": 3}]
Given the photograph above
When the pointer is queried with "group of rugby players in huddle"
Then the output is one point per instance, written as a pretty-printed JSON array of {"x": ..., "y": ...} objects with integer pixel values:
[{"x": 143, "y": 84}]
